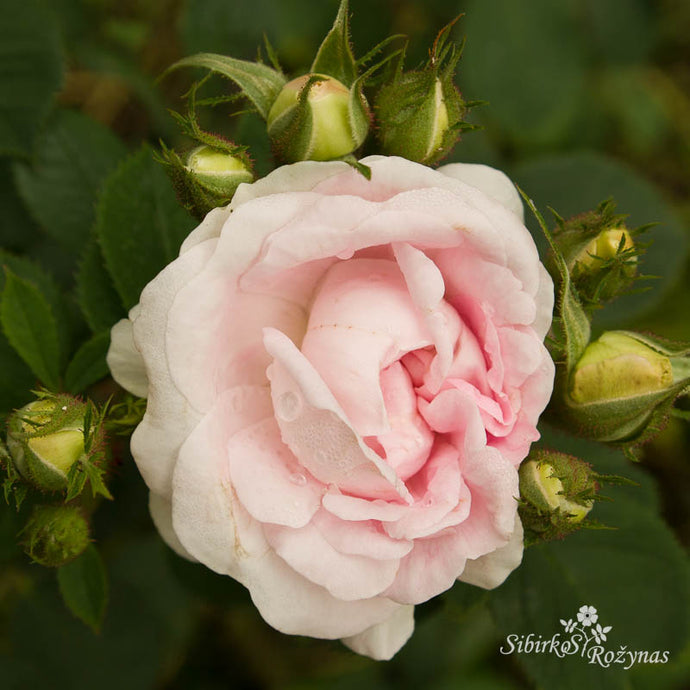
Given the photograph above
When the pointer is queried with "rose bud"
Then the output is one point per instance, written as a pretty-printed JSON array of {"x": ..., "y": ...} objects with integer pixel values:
[
  {"x": 600, "y": 253},
  {"x": 622, "y": 382},
  {"x": 45, "y": 438},
  {"x": 557, "y": 492},
  {"x": 419, "y": 114},
  {"x": 316, "y": 117},
  {"x": 55, "y": 535},
  {"x": 49, "y": 436},
  {"x": 218, "y": 172}
]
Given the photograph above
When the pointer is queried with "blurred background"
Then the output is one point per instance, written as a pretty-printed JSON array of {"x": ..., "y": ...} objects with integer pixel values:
[{"x": 587, "y": 99}]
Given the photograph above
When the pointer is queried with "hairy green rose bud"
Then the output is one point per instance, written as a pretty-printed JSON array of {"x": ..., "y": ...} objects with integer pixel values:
[
  {"x": 419, "y": 113},
  {"x": 45, "y": 438},
  {"x": 557, "y": 491},
  {"x": 600, "y": 253},
  {"x": 55, "y": 443},
  {"x": 623, "y": 386},
  {"x": 55, "y": 535},
  {"x": 216, "y": 171},
  {"x": 316, "y": 117},
  {"x": 418, "y": 117}
]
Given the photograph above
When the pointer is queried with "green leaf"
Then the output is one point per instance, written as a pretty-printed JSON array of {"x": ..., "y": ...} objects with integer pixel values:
[
  {"x": 575, "y": 183},
  {"x": 74, "y": 157},
  {"x": 32, "y": 72},
  {"x": 96, "y": 294},
  {"x": 636, "y": 576},
  {"x": 139, "y": 224},
  {"x": 334, "y": 56},
  {"x": 84, "y": 587},
  {"x": 30, "y": 328},
  {"x": 529, "y": 62},
  {"x": 88, "y": 364},
  {"x": 259, "y": 83}
]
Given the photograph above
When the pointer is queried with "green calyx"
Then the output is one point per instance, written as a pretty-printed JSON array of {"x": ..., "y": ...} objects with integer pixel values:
[
  {"x": 419, "y": 113},
  {"x": 55, "y": 535}
]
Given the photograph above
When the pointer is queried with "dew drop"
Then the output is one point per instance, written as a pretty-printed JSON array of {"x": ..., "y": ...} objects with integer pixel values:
[
  {"x": 346, "y": 254},
  {"x": 298, "y": 478},
  {"x": 289, "y": 406},
  {"x": 428, "y": 502}
]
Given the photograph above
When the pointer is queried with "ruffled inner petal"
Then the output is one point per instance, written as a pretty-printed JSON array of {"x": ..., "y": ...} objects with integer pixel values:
[
  {"x": 314, "y": 426},
  {"x": 345, "y": 576}
]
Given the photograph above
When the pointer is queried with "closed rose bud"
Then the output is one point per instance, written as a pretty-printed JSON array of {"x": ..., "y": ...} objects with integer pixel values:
[
  {"x": 622, "y": 387},
  {"x": 618, "y": 366},
  {"x": 557, "y": 492},
  {"x": 419, "y": 113},
  {"x": 45, "y": 438},
  {"x": 600, "y": 253},
  {"x": 216, "y": 171},
  {"x": 55, "y": 535},
  {"x": 316, "y": 117},
  {"x": 419, "y": 116}
]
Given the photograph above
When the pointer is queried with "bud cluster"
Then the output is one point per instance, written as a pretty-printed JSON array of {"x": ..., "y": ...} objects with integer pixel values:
[
  {"x": 324, "y": 114},
  {"x": 54, "y": 446},
  {"x": 621, "y": 387}
]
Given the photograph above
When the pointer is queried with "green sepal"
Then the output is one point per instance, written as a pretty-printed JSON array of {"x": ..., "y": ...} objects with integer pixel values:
[
  {"x": 571, "y": 330},
  {"x": 334, "y": 56},
  {"x": 258, "y": 82}
]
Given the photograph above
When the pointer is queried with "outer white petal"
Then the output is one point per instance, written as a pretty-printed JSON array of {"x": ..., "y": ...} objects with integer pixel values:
[
  {"x": 491, "y": 570},
  {"x": 169, "y": 418},
  {"x": 209, "y": 228},
  {"x": 492, "y": 182},
  {"x": 161, "y": 514},
  {"x": 125, "y": 361},
  {"x": 299, "y": 177},
  {"x": 383, "y": 641}
]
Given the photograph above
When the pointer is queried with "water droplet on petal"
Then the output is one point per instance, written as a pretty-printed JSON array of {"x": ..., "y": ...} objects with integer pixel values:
[
  {"x": 298, "y": 478},
  {"x": 428, "y": 502},
  {"x": 346, "y": 254},
  {"x": 289, "y": 406}
]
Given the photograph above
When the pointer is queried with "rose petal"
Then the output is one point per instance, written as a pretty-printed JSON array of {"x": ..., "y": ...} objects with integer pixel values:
[
  {"x": 169, "y": 417},
  {"x": 269, "y": 481},
  {"x": 345, "y": 576},
  {"x": 492, "y": 182},
  {"x": 160, "y": 509},
  {"x": 124, "y": 360},
  {"x": 381, "y": 642},
  {"x": 207, "y": 517},
  {"x": 351, "y": 337},
  {"x": 353, "y": 508},
  {"x": 315, "y": 428},
  {"x": 360, "y": 538},
  {"x": 492, "y": 569}
]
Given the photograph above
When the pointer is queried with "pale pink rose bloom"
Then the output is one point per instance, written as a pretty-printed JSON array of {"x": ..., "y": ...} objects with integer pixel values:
[{"x": 342, "y": 377}]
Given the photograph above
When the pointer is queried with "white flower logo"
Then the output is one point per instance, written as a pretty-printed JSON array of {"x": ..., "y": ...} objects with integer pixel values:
[{"x": 587, "y": 615}]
